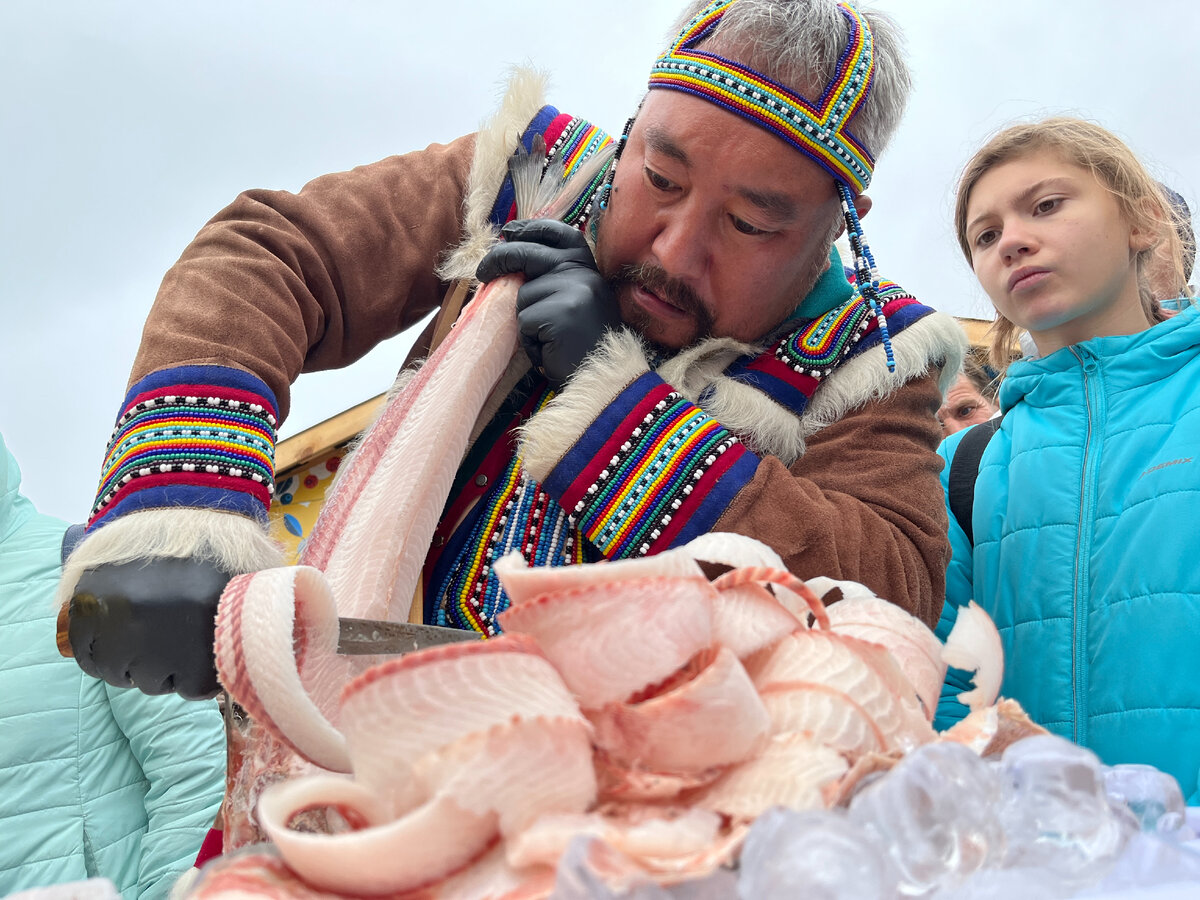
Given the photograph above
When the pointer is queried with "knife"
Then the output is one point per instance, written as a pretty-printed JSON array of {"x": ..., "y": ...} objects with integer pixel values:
[{"x": 359, "y": 637}]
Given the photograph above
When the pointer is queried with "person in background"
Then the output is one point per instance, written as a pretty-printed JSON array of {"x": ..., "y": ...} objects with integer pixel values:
[
  {"x": 1171, "y": 286},
  {"x": 970, "y": 400},
  {"x": 95, "y": 781},
  {"x": 1084, "y": 519}
]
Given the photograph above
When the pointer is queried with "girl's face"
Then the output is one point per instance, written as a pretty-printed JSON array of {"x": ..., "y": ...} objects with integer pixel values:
[{"x": 1052, "y": 250}]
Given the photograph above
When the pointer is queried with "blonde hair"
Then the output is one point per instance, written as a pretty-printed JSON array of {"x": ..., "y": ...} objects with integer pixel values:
[{"x": 1092, "y": 147}]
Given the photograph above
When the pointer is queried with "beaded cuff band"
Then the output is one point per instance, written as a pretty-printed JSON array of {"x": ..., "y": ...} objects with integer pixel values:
[
  {"x": 653, "y": 471},
  {"x": 817, "y": 129},
  {"x": 199, "y": 436},
  {"x": 572, "y": 138}
]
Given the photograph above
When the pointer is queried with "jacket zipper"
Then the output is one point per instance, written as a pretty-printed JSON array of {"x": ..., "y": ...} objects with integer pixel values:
[{"x": 1081, "y": 595}]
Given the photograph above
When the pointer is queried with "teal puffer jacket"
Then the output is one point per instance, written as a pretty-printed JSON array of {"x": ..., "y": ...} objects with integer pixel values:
[
  {"x": 94, "y": 780},
  {"x": 1087, "y": 545}
]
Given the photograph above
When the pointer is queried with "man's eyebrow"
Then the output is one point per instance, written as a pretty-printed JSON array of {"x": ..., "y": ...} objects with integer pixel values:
[
  {"x": 779, "y": 206},
  {"x": 658, "y": 140}
]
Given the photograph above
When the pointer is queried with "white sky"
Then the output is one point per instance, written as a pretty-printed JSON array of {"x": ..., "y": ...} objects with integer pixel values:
[{"x": 126, "y": 124}]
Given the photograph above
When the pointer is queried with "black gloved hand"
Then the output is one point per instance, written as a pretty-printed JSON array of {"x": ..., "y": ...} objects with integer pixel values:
[
  {"x": 565, "y": 305},
  {"x": 149, "y": 624}
]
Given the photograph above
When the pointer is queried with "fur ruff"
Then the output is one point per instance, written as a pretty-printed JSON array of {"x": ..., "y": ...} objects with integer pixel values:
[
  {"x": 766, "y": 427},
  {"x": 495, "y": 143},
  {"x": 611, "y": 367},
  {"x": 236, "y": 543}
]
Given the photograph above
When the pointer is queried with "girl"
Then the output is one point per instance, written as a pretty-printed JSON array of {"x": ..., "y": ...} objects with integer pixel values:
[{"x": 1085, "y": 519}]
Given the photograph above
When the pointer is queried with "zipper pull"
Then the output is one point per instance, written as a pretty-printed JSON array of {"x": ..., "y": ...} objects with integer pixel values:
[{"x": 1086, "y": 358}]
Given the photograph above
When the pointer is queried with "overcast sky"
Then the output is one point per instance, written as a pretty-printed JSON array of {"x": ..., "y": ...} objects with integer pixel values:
[{"x": 126, "y": 124}]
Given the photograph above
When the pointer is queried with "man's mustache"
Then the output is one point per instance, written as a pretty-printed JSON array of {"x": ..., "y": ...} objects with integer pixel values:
[{"x": 654, "y": 279}]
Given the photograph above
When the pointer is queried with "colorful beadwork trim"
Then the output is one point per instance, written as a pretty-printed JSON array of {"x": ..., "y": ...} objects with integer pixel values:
[
  {"x": 573, "y": 138},
  {"x": 663, "y": 474},
  {"x": 816, "y": 129},
  {"x": 578, "y": 141},
  {"x": 515, "y": 514},
  {"x": 187, "y": 440},
  {"x": 791, "y": 371}
]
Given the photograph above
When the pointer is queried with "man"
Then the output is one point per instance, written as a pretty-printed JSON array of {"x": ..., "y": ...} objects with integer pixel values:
[
  {"x": 970, "y": 399},
  {"x": 750, "y": 389}
]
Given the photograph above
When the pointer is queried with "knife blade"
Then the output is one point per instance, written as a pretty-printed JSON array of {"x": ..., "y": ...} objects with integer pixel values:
[{"x": 360, "y": 637}]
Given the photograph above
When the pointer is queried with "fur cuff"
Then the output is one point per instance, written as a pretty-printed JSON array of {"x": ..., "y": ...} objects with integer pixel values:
[
  {"x": 616, "y": 363},
  {"x": 495, "y": 143},
  {"x": 236, "y": 543}
]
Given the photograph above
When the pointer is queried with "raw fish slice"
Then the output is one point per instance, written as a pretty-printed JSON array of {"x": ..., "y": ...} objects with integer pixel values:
[
  {"x": 914, "y": 646},
  {"x": 372, "y": 538},
  {"x": 991, "y": 729},
  {"x": 397, "y": 712},
  {"x": 792, "y": 771},
  {"x": 737, "y": 551},
  {"x": 490, "y": 878},
  {"x": 622, "y": 783},
  {"x": 825, "y": 714},
  {"x": 715, "y": 719},
  {"x": 865, "y": 769},
  {"x": 608, "y": 643},
  {"x": 372, "y": 575},
  {"x": 252, "y": 874},
  {"x": 975, "y": 730},
  {"x": 385, "y": 857},
  {"x": 524, "y": 583},
  {"x": 269, "y": 624},
  {"x": 747, "y": 618},
  {"x": 860, "y": 670},
  {"x": 519, "y": 770},
  {"x": 781, "y": 578},
  {"x": 974, "y": 644},
  {"x": 656, "y": 833}
]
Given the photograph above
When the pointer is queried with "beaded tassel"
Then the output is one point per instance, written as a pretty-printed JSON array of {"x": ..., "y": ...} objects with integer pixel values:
[
  {"x": 864, "y": 270},
  {"x": 606, "y": 189}
]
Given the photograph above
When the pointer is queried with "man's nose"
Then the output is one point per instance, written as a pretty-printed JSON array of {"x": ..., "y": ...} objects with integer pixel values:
[{"x": 681, "y": 244}]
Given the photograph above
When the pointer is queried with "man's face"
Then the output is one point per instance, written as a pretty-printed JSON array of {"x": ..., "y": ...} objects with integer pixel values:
[
  {"x": 963, "y": 407},
  {"x": 714, "y": 227}
]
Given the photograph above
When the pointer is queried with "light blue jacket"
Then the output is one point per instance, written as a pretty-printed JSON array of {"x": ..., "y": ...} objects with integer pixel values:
[
  {"x": 1087, "y": 545},
  {"x": 94, "y": 780}
]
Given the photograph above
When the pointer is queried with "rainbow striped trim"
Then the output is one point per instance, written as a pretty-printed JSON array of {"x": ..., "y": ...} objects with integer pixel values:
[
  {"x": 658, "y": 473},
  {"x": 817, "y": 129},
  {"x": 818, "y": 348},
  {"x": 190, "y": 436},
  {"x": 579, "y": 140}
]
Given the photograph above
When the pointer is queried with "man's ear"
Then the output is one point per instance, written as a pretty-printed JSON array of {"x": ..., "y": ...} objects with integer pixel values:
[{"x": 862, "y": 205}]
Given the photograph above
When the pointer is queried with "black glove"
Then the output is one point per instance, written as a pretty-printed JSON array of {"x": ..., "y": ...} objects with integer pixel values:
[
  {"x": 565, "y": 305},
  {"x": 149, "y": 624}
]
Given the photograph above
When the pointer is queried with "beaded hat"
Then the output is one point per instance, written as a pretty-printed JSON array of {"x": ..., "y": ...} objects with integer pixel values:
[{"x": 818, "y": 129}]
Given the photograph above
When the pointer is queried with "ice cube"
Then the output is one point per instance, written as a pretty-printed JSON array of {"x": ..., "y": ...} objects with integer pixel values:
[
  {"x": 1057, "y": 816},
  {"x": 1151, "y": 795},
  {"x": 816, "y": 854},
  {"x": 935, "y": 814}
]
